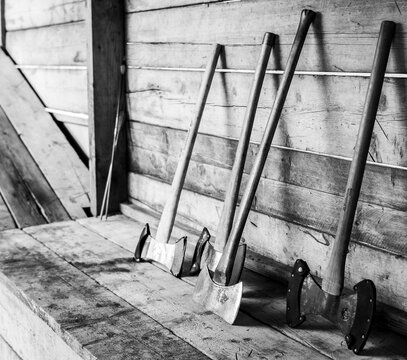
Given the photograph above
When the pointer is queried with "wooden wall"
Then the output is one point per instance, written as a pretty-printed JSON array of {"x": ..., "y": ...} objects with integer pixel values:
[
  {"x": 300, "y": 194},
  {"x": 47, "y": 40}
]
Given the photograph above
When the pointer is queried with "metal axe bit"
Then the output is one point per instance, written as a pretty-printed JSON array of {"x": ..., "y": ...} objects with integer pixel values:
[
  {"x": 207, "y": 254},
  {"x": 217, "y": 293},
  {"x": 159, "y": 249},
  {"x": 353, "y": 314}
]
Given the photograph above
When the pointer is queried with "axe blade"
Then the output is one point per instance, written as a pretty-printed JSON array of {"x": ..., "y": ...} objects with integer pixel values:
[
  {"x": 352, "y": 314},
  {"x": 207, "y": 256},
  {"x": 223, "y": 301},
  {"x": 171, "y": 255}
]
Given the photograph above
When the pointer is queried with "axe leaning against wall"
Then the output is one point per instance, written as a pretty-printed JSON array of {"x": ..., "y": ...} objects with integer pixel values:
[
  {"x": 353, "y": 314},
  {"x": 159, "y": 249}
]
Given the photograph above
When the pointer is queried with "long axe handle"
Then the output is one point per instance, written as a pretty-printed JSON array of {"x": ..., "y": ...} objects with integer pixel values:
[
  {"x": 232, "y": 192},
  {"x": 333, "y": 280},
  {"x": 170, "y": 209},
  {"x": 224, "y": 269}
]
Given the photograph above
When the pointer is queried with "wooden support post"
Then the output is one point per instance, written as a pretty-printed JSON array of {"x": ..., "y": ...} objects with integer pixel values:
[
  {"x": 105, "y": 31},
  {"x": 2, "y": 26}
]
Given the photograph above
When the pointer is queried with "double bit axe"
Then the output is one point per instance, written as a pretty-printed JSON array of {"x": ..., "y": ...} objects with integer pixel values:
[
  {"x": 353, "y": 314},
  {"x": 205, "y": 253},
  {"x": 158, "y": 249},
  {"x": 217, "y": 294}
]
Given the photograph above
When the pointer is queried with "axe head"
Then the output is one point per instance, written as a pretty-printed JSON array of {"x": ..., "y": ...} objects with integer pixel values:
[
  {"x": 352, "y": 314},
  {"x": 222, "y": 300},
  {"x": 171, "y": 255},
  {"x": 207, "y": 256}
]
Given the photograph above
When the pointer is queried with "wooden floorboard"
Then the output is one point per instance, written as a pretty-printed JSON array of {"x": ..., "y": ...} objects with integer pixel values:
[
  {"x": 87, "y": 316},
  {"x": 165, "y": 298},
  {"x": 264, "y": 300}
]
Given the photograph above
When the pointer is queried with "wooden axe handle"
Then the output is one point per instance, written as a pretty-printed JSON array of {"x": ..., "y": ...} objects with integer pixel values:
[
  {"x": 224, "y": 269},
  {"x": 232, "y": 191},
  {"x": 170, "y": 209},
  {"x": 333, "y": 280}
]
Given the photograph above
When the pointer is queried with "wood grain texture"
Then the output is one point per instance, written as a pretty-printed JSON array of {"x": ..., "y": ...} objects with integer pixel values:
[
  {"x": 57, "y": 160},
  {"x": 351, "y": 27},
  {"x": 329, "y": 52},
  {"x": 105, "y": 34},
  {"x": 7, "y": 352},
  {"x": 324, "y": 118},
  {"x": 147, "y": 5},
  {"x": 53, "y": 45},
  {"x": 285, "y": 241},
  {"x": 378, "y": 226},
  {"x": 155, "y": 149},
  {"x": 87, "y": 318},
  {"x": 25, "y": 14},
  {"x": 167, "y": 299},
  {"x": 263, "y": 298},
  {"x": 17, "y": 195},
  {"x": 59, "y": 88},
  {"x": 6, "y": 220},
  {"x": 28, "y": 189}
]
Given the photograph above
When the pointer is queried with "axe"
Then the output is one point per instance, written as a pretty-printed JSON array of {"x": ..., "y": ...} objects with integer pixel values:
[
  {"x": 205, "y": 253},
  {"x": 217, "y": 293},
  {"x": 353, "y": 314},
  {"x": 158, "y": 249}
]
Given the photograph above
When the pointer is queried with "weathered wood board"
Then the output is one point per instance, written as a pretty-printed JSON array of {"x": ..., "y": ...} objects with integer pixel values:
[
  {"x": 104, "y": 59},
  {"x": 7, "y": 352},
  {"x": 263, "y": 298},
  {"x": 62, "y": 89},
  {"x": 167, "y": 299},
  {"x": 285, "y": 241},
  {"x": 147, "y": 5},
  {"x": 29, "y": 196},
  {"x": 324, "y": 118},
  {"x": 382, "y": 185},
  {"x": 55, "y": 157},
  {"x": 25, "y": 14},
  {"x": 51, "y": 45},
  {"x": 65, "y": 314},
  {"x": 342, "y": 37},
  {"x": 6, "y": 220}
]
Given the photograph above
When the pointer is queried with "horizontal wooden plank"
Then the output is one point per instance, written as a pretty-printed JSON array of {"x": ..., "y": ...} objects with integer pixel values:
[
  {"x": 24, "y": 14},
  {"x": 327, "y": 52},
  {"x": 262, "y": 298},
  {"x": 146, "y": 5},
  {"x": 377, "y": 226},
  {"x": 284, "y": 241},
  {"x": 6, "y": 220},
  {"x": 165, "y": 298},
  {"x": 52, "y": 45},
  {"x": 60, "y": 89},
  {"x": 91, "y": 320},
  {"x": 382, "y": 185},
  {"x": 324, "y": 118},
  {"x": 59, "y": 163},
  {"x": 352, "y": 27}
]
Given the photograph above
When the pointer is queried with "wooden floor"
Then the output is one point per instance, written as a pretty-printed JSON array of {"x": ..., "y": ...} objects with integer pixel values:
[{"x": 91, "y": 300}]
